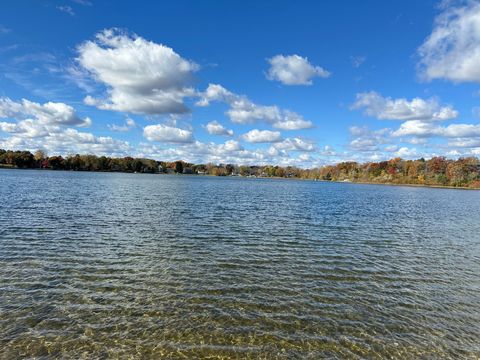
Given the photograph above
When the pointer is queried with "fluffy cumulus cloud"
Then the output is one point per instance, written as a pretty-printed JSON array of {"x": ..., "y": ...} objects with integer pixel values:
[
  {"x": 294, "y": 70},
  {"x": 141, "y": 76},
  {"x": 285, "y": 152},
  {"x": 262, "y": 136},
  {"x": 292, "y": 121},
  {"x": 34, "y": 126},
  {"x": 71, "y": 140},
  {"x": 68, "y": 141},
  {"x": 295, "y": 144},
  {"x": 366, "y": 140},
  {"x": 406, "y": 153},
  {"x": 130, "y": 74},
  {"x": 421, "y": 127},
  {"x": 50, "y": 113},
  {"x": 167, "y": 134},
  {"x": 452, "y": 51},
  {"x": 28, "y": 128},
  {"x": 197, "y": 152},
  {"x": 427, "y": 137},
  {"x": 386, "y": 108},
  {"x": 243, "y": 111},
  {"x": 230, "y": 152},
  {"x": 427, "y": 129},
  {"x": 215, "y": 128}
]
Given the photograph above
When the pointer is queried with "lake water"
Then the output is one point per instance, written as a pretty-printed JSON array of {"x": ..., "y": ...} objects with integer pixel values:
[{"x": 105, "y": 265}]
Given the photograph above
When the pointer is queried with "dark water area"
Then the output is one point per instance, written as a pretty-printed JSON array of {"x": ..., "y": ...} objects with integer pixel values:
[{"x": 106, "y": 265}]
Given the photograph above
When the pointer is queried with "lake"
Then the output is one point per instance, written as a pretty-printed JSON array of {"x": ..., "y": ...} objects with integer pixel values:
[{"x": 110, "y": 265}]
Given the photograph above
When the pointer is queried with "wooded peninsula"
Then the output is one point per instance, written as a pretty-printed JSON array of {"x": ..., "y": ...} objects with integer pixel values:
[{"x": 437, "y": 171}]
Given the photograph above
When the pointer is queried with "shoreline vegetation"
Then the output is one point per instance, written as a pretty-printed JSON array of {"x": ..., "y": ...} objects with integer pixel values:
[{"x": 440, "y": 172}]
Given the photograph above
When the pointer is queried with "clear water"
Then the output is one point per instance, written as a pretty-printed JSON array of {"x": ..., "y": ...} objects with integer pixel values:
[{"x": 97, "y": 265}]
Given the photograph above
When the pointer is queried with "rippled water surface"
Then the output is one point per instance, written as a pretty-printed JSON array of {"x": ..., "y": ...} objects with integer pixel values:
[{"x": 97, "y": 265}]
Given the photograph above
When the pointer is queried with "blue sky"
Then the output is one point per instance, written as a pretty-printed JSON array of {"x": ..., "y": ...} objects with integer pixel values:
[{"x": 251, "y": 82}]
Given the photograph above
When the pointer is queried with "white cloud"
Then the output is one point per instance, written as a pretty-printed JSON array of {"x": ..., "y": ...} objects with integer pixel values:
[
  {"x": 304, "y": 157},
  {"x": 292, "y": 121},
  {"x": 295, "y": 144},
  {"x": 168, "y": 134},
  {"x": 66, "y": 141},
  {"x": 452, "y": 50},
  {"x": 231, "y": 145},
  {"x": 328, "y": 151},
  {"x": 50, "y": 113},
  {"x": 130, "y": 122},
  {"x": 417, "y": 128},
  {"x": 28, "y": 128},
  {"x": 262, "y": 136},
  {"x": 402, "y": 109},
  {"x": 364, "y": 144},
  {"x": 128, "y": 125},
  {"x": 83, "y": 2},
  {"x": 358, "y": 131},
  {"x": 66, "y": 9},
  {"x": 229, "y": 152},
  {"x": 366, "y": 140},
  {"x": 244, "y": 111},
  {"x": 198, "y": 152},
  {"x": 38, "y": 126},
  {"x": 416, "y": 141},
  {"x": 391, "y": 148},
  {"x": 465, "y": 143},
  {"x": 357, "y": 61},
  {"x": 216, "y": 92},
  {"x": 87, "y": 142},
  {"x": 294, "y": 70},
  {"x": 426, "y": 129},
  {"x": 215, "y": 128},
  {"x": 141, "y": 76},
  {"x": 405, "y": 152},
  {"x": 8, "y": 127}
]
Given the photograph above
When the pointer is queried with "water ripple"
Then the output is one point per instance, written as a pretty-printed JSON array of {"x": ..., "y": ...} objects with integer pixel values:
[{"x": 150, "y": 266}]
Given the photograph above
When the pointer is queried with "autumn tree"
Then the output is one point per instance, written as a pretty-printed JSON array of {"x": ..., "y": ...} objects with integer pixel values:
[{"x": 39, "y": 155}]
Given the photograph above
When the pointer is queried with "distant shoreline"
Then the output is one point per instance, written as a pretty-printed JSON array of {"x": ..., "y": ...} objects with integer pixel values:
[
  {"x": 433, "y": 186},
  {"x": 437, "y": 172},
  {"x": 406, "y": 184}
]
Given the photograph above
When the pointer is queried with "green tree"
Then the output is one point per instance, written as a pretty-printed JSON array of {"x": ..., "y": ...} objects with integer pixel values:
[
  {"x": 178, "y": 167},
  {"x": 56, "y": 162}
]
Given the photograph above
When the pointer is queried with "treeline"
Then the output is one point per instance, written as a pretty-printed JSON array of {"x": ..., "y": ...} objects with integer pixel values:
[
  {"x": 439, "y": 171},
  {"x": 463, "y": 172}
]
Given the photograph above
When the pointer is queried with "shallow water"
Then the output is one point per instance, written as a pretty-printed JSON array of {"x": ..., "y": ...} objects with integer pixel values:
[{"x": 96, "y": 265}]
